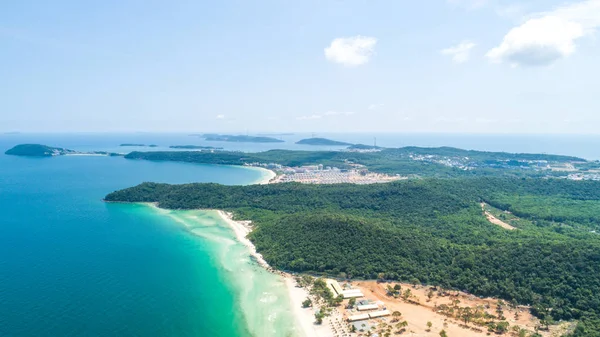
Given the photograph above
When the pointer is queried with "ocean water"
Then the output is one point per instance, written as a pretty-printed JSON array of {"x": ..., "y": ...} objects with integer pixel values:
[
  {"x": 72, "y": 265},
  {"x": 585, "y": 146}
]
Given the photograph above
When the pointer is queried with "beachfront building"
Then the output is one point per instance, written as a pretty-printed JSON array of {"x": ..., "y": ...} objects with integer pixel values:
[
  {"x": 381, "y": 313},
  {"x": 359, "y": 317},
  {"x": 367, "y": 307},
  {"x": 352, "y": 293}
]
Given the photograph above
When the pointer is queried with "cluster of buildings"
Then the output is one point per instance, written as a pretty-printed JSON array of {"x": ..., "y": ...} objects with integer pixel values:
[
  {"x": 319, "y": 174},
  {"x": 364, "y": 310},
  {"x": 584, "y": 176}
]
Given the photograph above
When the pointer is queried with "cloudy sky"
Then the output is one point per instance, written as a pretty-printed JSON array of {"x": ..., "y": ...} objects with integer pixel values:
[{"x": 312, "y": 65}]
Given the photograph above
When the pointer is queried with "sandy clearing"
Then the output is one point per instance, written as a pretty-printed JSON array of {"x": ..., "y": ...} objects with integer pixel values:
[
  {"x": 417, "y": 316},
  {"x": 491, "y": 218}
]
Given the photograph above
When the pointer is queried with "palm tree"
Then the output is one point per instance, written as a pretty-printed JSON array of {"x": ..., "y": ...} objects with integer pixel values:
[
  {"x": 402, "y": 324},
  {"x": 396, "y": 316}
]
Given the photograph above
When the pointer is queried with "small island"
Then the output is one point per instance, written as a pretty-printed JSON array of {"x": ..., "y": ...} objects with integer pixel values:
[
  {"x": 195, "y": 147},
  {"x": 321, "y": 142},
  {"x": 240, "y": 139},
  {"x": 39, "y": 150},
  {"x": 138, "y": 145}
]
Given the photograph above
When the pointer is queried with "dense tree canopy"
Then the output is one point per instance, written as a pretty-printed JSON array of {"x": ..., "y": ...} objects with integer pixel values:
[{"x": 432, "y": 230}]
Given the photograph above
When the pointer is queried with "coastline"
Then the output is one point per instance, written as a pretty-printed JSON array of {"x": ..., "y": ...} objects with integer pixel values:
[
  {"x": 267, "y": 175},
  {"x": 241, "y": 230},
  {"x": 304, "y": 316}
]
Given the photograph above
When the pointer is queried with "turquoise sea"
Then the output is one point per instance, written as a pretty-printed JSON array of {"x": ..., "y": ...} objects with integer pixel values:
[{"x": 72, "y": 265}]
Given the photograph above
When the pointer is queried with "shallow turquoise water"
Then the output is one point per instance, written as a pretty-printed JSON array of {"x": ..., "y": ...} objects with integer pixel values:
[{"x": 71, "y": 265}]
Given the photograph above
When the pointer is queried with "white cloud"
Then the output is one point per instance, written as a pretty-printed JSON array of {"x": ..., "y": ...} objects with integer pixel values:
[
  {"x": 547, "y": 37},
  {"x": 375, "y": 106},
  {"x": 351, "y": 51},
  {"x": 337, "y": 113},
  {"x": 302, "y": 118},
  {"x": 220, "y": 117},
  {"x": 461, "y": 52}
]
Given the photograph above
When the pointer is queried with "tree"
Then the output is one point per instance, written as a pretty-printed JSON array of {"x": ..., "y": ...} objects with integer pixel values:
[
  {"x": 381, "y": 277},
  {"x": 401, "y": 326},
  {"x": 407, "y": 294},
  {"x": 502, "y": 327},
  {"x": 429, "y": 325},
  {"x": 319, "y": 317},
  {"x": 307, "y": 303},
  {"x": 443, "y": 333},
  {"x": 429, "y": 295},
  {"x": 396, "y": 316},
  {"x": 352, "y": 302},
  {"x": 467, "y": 315}
]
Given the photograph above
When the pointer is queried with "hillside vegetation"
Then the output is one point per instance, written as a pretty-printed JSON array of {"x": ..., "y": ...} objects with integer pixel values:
[
  {"x": 425, "y": 162},
  {"x": 430, "y": 231}
]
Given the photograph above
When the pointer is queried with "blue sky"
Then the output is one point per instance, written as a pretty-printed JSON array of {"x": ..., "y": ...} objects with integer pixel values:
[{"x": 374, "y": 66}]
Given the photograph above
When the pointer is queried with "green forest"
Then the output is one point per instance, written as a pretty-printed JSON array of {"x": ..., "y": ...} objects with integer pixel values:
[
  {"x": 388, "y": 160},
  {"x": 430, "y": 230}
]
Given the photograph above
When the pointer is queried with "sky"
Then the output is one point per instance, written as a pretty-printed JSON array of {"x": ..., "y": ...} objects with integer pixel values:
[{"x": 448, "y": 66}]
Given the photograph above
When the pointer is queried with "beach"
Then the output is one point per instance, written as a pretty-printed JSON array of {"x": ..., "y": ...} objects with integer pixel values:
[
  {"x": 268, "y": 299},
  {"x": 304, "y": 316},
  {"x": 266, "y": 177}
]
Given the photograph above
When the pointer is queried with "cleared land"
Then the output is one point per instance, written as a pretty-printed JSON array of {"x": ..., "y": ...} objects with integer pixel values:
[
  {"x": 417, "y": 310},
  {"x": 491, "y": 218}
]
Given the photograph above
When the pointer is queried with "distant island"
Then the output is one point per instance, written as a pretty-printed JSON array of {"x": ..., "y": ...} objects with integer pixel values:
[
  {"x": 39, "y": 150},
  {"x": 321, "y": 141},
  {"x": 138, "y": 145},
  {"x": 195, "y": 147},
  {"x": 276, "y": 134},
  {"x": 240, "y": 139}
]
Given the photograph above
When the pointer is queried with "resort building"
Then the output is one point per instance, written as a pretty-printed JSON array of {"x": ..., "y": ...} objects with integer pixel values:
[
  {"x": 367, "y": 307},
  {"x": 381, "y": 313}
]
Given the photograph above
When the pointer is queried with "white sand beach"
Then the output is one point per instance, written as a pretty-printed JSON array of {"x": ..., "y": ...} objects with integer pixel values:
[
  {"x": 267, "y": 175},
  {"x": 304, "y": 316},
  {"x": 241, "y": 230}
]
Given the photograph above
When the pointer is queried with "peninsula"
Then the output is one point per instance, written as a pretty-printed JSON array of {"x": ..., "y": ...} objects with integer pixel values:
[
  {"x": 427, "y": 231},
  {"x": 443, "y": 162},
  {"x": 39, "y": 150},
  {"x": 322, "y": 142}
]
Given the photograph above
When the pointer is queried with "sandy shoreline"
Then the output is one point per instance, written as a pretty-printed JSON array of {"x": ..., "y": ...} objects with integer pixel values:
[
  {"x": 267, "y": 175},
  {"x": 304, "y": 316}
]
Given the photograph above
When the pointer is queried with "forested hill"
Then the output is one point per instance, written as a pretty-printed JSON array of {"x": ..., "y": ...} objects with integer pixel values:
[
  {"x": 430, "y": 230},
  {"x": 322, "y": 141},
  {"x": 37, "y": 150},
  {"x": 426, "y": 162}
]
